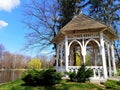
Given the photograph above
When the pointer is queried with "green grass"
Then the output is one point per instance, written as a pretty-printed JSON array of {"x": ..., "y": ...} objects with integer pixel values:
[
  {"x": 118, "y": 72},
  {"x": 64, "y": 85},
  {"x": 112, "y": 85}
]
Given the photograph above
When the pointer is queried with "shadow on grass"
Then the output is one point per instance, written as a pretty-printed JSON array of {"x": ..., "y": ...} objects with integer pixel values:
[
  {"x": 64, "y": 85},
  {"x": 77, "y": 86},
  {"x": 36, "y": 87},
  {"x": 23, "y": 87}
]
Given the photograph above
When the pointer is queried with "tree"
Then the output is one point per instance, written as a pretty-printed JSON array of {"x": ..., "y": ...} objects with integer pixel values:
[
  {"x": 107, "y": 11},
  {"x": 7, "y": 62},
  {"x": 44, "y": 61},
  {"x": 45, "y": 18},
  {"x": 1, "y": 51},
  {"x": 41, "y": 18},
  {"x": 67, "y": 10},
  {"x": 34, "y": 64},
  {"x": 87, "y": 59},
  {"x": 19, "y": 61},
  {"x": 52, "y": 61},
  {"x": 13, "y": 61}
]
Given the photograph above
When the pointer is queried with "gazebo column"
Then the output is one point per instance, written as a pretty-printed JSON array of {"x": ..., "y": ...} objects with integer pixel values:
[
  {"x": 57, "y": 57},
  {"x": 61, "y": 56},
  {"x": 66, "y": 53},
  {"x": 103, "y": 55},
  {"x": 83, "y": 54},
  {"x": 83, "y": 49},
  {"x": 109, "y": 61},
  {"x": 113, "y": 59}
]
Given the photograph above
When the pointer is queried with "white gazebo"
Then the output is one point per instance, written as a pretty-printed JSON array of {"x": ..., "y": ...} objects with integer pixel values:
[{"x": 91, "y": 41}]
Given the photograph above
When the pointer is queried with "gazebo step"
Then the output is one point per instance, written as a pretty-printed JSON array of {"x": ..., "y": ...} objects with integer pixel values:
[{"x": 100, "y": 81}]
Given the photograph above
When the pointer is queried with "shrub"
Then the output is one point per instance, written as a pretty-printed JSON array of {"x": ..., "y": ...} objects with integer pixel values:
[
  {"x": 118, "y": 72},
  {"x": 51, "y": 77},
  {"x": 31, "y": 77},
  {"x": 44, "y": 77},
  {"x": 118, "y": 82},
  {"x": 82, "y": 75},
  {"x": 71, "y": 75}
]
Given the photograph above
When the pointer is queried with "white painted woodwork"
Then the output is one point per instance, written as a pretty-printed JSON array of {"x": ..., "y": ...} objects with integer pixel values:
[
  {"x": 83, "y": 40},
  {"x": 97, "y": 70},
  {"x": 113, "y": 59},
  {"x": 66, "y": 53},
  {"x": 103, "y": 55},
  {"x": 61, "y": 56},
  {"x": 57, "y": 57},
  {"x": 109, "y": 61}
]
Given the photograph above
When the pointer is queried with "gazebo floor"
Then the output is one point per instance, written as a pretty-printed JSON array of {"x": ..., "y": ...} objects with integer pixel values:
[{"x": 117, "y": 78}]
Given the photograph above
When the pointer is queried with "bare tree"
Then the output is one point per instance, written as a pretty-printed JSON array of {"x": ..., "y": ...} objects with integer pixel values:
[
  {"x": 7, "y": 62},
  {"x": 52, "y": 61},
  {"x": 41, "y": 18},
  {"x": 13, "y": 61},
  {"x": 44, "y": 61},
  {"x": 2, "y": 49}
]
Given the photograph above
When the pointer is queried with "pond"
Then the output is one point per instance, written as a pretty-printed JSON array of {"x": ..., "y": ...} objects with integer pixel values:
[{"x": 10, "y": 75}]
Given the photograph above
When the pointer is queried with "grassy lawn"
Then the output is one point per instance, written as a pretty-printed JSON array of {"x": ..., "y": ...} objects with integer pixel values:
[
  {"x": 118, "y": 72},
  {"x": 64, "y": 85},
  {"x": 112, "y": 85}
]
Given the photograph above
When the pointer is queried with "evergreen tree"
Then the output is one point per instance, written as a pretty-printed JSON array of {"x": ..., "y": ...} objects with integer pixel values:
[{"x": 67, "y": 10}]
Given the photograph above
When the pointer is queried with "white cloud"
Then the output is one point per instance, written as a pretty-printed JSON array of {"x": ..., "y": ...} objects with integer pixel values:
[
  {"x": 8, "y": 5},
  {"x": 3, "y": 24},
  {"x": 45, "y": 52}
]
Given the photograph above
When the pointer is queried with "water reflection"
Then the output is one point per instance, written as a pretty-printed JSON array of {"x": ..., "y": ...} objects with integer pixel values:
[{"x": 9, "y": 75}]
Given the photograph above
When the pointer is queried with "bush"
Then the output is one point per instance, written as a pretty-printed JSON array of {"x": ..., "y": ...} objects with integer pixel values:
[
  {"x": 118, "y": 82},
  {"x": 112, "y": 85},
  {"x": 51, "y": 77},
  {"x": 32, "y": 77},
  {"x": 44, "y": 77},
  {"x": 82, "y": 75},
  {"x": 118, "y": 72},
  {"x": 71, "y": 75}
]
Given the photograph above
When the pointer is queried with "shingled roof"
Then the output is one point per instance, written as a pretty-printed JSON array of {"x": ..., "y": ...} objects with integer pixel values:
[{"x": 83, "y": 22}]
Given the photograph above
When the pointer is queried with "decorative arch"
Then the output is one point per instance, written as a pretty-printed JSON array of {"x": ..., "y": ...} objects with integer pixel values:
[
  {"x": 75, "y": 41},
  {"x": 73, "y": 57},
  {"x": 93, "y": 57},
  {"x": 92, "y": 40}
]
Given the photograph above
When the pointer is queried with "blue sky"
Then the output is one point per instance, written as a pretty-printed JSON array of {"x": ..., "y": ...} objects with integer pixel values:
[{"x": 12, "y": 30}]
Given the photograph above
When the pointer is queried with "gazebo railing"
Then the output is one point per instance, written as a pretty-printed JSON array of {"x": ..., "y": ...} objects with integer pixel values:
[{"x": 97, "y": 70}]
